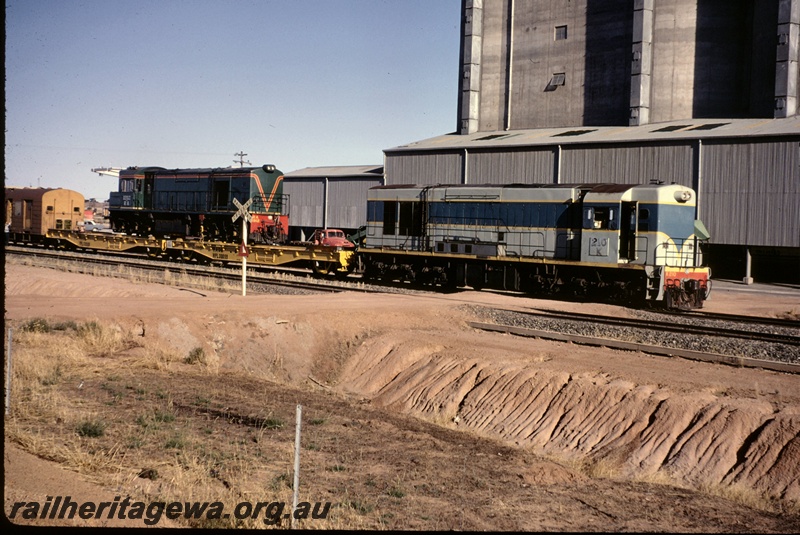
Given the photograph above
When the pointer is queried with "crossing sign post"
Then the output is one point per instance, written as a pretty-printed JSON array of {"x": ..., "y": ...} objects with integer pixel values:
[{"x": 243, "y": 252}]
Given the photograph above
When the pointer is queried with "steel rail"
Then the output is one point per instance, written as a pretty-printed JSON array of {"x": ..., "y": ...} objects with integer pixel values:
[
  {"x": 203, "y": 271},
  {"x": 737, "y": 361},
  {"x": 777, "y": 322},
  {"x": 666, "y": 326}
]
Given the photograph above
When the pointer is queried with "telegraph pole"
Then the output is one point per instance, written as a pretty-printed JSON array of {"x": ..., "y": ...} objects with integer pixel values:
[{"x": 241, "y": 161}]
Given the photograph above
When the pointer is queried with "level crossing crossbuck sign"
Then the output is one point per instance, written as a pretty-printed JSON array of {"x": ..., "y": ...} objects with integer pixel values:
[{"x": 243, "y": 252}]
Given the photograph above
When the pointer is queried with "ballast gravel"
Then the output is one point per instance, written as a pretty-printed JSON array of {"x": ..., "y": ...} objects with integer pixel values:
[{"x": 721, "y": 345}]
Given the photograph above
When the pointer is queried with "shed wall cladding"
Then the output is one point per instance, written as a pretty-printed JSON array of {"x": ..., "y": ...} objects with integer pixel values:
[
  {"x": 750, "y": 192},
  {"x": 628, "y": 164},
  {"x": 347, "y": 202},
  {"x": 423, "y": 168},
  {"x": 530, "y": 166},
  {"x": 306, "y": 198}
]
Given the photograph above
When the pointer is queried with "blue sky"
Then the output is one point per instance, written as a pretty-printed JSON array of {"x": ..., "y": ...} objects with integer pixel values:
[{"x": 189, "y": 83}]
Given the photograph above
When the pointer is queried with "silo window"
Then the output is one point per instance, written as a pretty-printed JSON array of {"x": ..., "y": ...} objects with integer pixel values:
[
  {"x": 559, "y": 78},
  {"x": 561, "y": 33},
  {"x": 49, "y": 209}
]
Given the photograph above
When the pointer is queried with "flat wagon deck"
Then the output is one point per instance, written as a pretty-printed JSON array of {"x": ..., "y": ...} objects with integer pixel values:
[{"x": 324, "y": 259}]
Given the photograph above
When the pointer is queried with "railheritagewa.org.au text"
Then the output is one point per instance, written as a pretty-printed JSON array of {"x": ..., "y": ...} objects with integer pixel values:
[{"x": 61, "y": 507}]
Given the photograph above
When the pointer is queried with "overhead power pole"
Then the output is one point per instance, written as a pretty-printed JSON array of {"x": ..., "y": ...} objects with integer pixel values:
[{"x": 241, "y": 161}]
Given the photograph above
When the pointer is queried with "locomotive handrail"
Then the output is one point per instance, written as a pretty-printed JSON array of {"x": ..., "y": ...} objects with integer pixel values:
[
  {"x": 201, "y": 201},
  {"x": 677, "y": 252}
]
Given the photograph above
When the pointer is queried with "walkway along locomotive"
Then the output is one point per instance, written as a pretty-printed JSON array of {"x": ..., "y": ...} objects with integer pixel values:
[{"x": 634, "y": 242}]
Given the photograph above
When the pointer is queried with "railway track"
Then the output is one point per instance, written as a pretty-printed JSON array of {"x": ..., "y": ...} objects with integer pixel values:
[
  {"x": 704, "y": 330},
  {"x": 730, "y": 344},
  {"x": 776, "y": 322},
  {"x": 295, "y": 277},
  {"x": 256, "y": 278}
]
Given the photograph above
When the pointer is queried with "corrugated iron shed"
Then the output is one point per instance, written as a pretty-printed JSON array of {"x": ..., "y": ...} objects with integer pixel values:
[
  {"x": 333, "y": 196},
  {"x": 745, "y": 171}
]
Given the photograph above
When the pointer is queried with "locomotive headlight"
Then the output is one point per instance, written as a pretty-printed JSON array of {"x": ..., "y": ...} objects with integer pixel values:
[
  {"x": 683, "y": 195},
  {"x": 268, "y": 168}
]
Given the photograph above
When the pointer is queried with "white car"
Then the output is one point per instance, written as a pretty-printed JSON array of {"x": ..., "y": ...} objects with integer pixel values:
[{"x": 91, "y": 226}]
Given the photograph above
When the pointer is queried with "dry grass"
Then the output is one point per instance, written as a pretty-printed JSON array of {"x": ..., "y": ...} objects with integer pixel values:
[
  {"x": 612, "y": 468},
  {"x": 76, "y": 400},
  {"x": 104, "y": 401},
  {"x": 749, "y": 497}
]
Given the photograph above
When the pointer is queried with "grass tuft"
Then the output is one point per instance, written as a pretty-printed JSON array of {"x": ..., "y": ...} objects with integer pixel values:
[
  {"x": 91, "y": 429},
  {"x": 196, "y": 355}
]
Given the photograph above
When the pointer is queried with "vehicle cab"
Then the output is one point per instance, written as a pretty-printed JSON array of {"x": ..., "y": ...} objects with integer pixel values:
[{"x": 331, "y": 238}]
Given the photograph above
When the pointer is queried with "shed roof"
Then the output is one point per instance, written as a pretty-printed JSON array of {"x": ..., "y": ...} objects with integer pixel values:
[
  {"x": 341, "y": 171},
  {"x": 15, "y": 193},
  {"x": 686, "y": 130}
]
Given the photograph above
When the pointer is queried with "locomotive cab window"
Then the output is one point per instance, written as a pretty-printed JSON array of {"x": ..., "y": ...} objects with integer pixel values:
[
  {"x": 220, "y": 194},
  {"x": 389, "y": 218},
  {"x": 600, "y": 220},
  {"x": 644, "y": 219},
  {"x": 410, "y": 221}
]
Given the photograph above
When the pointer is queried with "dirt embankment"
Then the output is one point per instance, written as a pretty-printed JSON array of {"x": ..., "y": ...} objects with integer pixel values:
[
  {"x": 699, "y": 436},
  {"x": 629, "y": 415}
]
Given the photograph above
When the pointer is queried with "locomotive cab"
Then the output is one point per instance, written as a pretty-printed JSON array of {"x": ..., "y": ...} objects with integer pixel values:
[{"x": 652, "y": 225}]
